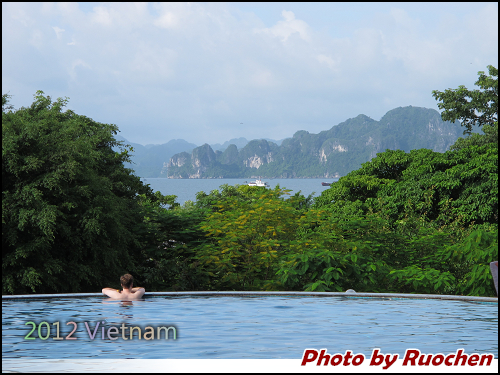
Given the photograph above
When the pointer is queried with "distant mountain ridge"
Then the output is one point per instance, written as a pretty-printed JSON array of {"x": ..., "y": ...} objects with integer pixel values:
[
  {"x": 148, "y": 161},
  {"x": 330, "y": 153},
  {"x": 238, "y": 142}
]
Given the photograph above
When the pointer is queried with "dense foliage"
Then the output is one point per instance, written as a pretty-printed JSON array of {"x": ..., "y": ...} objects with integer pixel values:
[
  {"x": 472, "y": 107},
  {"x": 69, "y": 207},
  {"x": 74, "y": 218}
]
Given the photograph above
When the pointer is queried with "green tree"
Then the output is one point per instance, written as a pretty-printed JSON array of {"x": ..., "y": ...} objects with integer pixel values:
[
  {"x": 405, "y": 214},
  {"x": 248, "y": 231},
  {"x": 71, "y": 220},
  {"x": 490, "y": 136},
  {"x": 472, "y": 107},
  {"x": 443, "y": 188},
  {"x": 173, "y": 236}
]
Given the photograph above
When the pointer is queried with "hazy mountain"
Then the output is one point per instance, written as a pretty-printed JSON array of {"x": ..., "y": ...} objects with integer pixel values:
[
  {"x": 149, "y": 160},
  {"x": 238, "y": 142},
  {"x": 333, "y": 152}
]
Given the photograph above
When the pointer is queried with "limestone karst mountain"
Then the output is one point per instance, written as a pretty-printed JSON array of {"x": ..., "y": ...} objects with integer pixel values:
[{"x": 330, "y": 153}]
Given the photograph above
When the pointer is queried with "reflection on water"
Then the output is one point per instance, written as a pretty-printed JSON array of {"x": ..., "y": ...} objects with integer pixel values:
[{"x": 249, "y": 327}]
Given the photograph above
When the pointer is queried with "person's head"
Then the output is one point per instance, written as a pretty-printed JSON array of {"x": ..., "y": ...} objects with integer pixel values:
[{"x": 127, "y": 280}]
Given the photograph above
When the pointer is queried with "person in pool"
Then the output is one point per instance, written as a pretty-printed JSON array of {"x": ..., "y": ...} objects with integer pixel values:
[{"x": 128, "y": 292}]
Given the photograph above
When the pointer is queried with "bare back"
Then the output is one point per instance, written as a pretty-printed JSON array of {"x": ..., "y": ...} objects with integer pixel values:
[{"x": 125, "y": 294}]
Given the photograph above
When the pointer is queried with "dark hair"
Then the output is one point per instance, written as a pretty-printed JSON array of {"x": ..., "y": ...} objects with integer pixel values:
[{"x": 126, "y": 281}]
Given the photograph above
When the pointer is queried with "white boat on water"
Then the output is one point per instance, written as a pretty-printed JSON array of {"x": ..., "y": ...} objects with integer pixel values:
[{"x": 258, "y": 182}]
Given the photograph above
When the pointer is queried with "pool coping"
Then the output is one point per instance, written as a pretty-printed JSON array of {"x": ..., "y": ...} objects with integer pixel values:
[{"x": 256, "y": 294}]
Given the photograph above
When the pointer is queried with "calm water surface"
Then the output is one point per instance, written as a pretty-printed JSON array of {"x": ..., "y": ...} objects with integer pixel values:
[
  {"x": 252, "y": 327},
  {"x": 186, "y": 189}
]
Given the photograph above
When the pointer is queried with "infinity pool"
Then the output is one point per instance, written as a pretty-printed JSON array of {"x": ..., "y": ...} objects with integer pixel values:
[{"x": 244, "y": 327}]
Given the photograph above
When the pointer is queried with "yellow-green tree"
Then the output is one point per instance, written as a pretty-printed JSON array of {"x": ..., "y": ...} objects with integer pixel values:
[{"x": 248, "y": 233}]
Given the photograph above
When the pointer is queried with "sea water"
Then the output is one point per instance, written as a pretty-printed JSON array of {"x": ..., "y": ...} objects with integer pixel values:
[{"x": 186, "y": 189}]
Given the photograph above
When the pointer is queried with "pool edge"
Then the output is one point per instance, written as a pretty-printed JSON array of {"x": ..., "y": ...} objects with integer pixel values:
[{"x": 250, "y": 294}]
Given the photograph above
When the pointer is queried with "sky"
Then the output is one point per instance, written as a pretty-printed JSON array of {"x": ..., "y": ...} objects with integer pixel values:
[{"x": 209, "y": 72}]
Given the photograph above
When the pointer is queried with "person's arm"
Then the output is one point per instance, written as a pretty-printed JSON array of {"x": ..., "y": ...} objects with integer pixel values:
[
  {"x": 110, "y": 292},
  {"x": 138, "y": 292}
]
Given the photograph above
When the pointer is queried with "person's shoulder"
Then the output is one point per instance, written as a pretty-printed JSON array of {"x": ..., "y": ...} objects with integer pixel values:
[
  {"x": 113, "y": 293},
  {"x": 138, "y": 293}
]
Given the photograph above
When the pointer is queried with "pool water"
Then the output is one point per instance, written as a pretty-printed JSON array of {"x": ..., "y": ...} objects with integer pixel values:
[{"x": 248, "y": 327}]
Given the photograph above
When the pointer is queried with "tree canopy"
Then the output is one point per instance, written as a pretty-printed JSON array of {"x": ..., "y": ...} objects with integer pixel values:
[
  {"x": 69, "y": 206},
  {"x": 472, "y": 107}
]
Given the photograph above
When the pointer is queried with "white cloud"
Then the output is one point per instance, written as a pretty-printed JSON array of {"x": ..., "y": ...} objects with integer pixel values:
[
  {"x": 284, "y": 29},
  {"x": 165, "y": 71},
  {"x": 37, "y": 39},
  {"x": 73, "y": 71},
  {"x": 167, "y": 20},
  {"x": 102, "y": 16},
  {"x": 18, "y": 14},
  {"x": 152, "y": 63},
  {"x": 330, "y": 62},
  {"x": 172, "y": 15},
  {"x": 58, "y": 31},
  {"x": 262, "y": 78}
]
